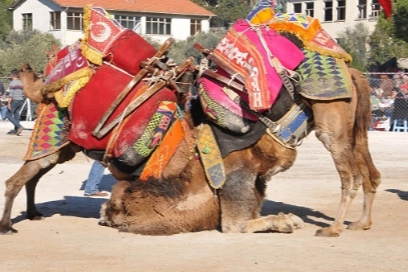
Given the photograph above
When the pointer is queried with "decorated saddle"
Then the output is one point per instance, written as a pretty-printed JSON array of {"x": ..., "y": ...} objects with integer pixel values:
[{"x": 87, "y": 78}]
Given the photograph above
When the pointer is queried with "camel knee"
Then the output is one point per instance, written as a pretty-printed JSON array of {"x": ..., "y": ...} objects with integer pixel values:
[{"x": 324, "y": 138}]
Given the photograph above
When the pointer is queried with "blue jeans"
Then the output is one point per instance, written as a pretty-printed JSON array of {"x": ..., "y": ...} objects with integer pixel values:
[
  {"x": 13, "y": 115},
  {"x": 3, "y": 110},
  {"x": 94, "y": 178}
]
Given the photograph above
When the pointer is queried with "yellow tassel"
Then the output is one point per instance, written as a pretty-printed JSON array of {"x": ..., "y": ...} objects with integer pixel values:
[
  {"x": 55, "y": 86},
  {"x": 89, "y": 53},
  {"x": 306, "y": 36},
  {"x": 64, "y": 100}
]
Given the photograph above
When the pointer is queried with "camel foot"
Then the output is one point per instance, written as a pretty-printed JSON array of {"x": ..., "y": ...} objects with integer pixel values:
[
  {"x": 359, "y": 226},
  {"x": 297, "y": 221},
  {"x": 7, "y": 230},
  {"x": 327, "y": 232},
  {"x": 286, "y": 223},
  {"x": 36, "y": 217}
]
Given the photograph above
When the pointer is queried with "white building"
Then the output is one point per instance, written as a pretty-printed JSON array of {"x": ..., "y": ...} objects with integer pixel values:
[
  {"x": 158, "y": 19},
  {"x": 336, "y": 15}
]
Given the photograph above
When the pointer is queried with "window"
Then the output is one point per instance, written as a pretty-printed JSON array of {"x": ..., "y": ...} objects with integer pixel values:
[
  {"x": 341, "y": 10},
  {"x": 130, "y": 22},
  {"x": 297, "y": 7},
  {"x": 375, "y": 9},
  {"x": 55, "y": 20},
  {"x": 161, "y": 26},
  {"x": 195, "y": 27},
  {"x": 74, "y": 21},
  {"x": 27, "y": 21},
  {"x": 309, "y": 9},
  {"x": 362, "y": 9},
  {"x": 328, "y": 11}
]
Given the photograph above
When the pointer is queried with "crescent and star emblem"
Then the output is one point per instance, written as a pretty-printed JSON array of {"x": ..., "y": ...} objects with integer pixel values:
[{"x": 103, "y": 34}]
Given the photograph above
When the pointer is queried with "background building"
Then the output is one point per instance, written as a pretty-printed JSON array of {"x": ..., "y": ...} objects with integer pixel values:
[
  {"x": 336, "y": 15},
  {"x": 158, "y": 19}
]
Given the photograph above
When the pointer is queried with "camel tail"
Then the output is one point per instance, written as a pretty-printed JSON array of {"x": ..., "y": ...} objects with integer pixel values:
[{"x": 363, "y": 111}]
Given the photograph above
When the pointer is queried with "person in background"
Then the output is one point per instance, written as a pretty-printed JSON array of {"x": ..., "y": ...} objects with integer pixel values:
[
  {"x": 15, "y": 102},
  {"x": 3, "y": 104},
  {"x": 94, "y": 178},
  {"x": 401, "y": 104}
]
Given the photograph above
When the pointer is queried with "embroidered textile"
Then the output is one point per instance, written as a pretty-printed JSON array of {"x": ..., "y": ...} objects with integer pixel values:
[
  {"x": 324, "y": 77},
  {"x": 50, "y": 132}
]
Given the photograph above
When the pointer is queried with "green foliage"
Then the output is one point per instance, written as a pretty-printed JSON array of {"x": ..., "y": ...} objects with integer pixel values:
[
  {"x": 5, "y": 18},
  {"x": 25, "y": 47},
  {"x": 389, "y": 39},
  {"x": 354, "y": 41},
  {"x": 400, "y": 17},
  {"x": 227, "y": 11},
  {"x": 182, "y": 50}
]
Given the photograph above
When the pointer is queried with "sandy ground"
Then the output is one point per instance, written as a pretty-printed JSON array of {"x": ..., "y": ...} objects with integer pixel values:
[{"x": 70, "y": 239}]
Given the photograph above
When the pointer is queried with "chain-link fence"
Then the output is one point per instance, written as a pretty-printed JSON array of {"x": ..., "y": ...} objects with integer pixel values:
[{"x": 389, "y": 101}]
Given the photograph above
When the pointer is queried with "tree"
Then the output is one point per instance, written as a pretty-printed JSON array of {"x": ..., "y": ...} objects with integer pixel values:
[
  {"x": 182, "y": 50},
  {"x": 5, "y": 18},
  {"x": 227, "y": 11},
  {"x": 25, "y": 47},
  {"x": 354, "y": 40},
  {"x": 389, "y": 39}
]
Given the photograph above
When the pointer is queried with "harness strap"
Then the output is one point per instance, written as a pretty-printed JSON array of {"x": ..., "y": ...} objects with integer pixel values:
[
  {"x": 235, "y": 97},
  {"x": 159, "y": 84},
  {"x": 274, "y": 62},
  {"x": 135, "y": 80}
]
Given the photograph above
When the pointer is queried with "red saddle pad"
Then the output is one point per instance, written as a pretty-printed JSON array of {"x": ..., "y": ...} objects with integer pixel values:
[{"x": 92, "y": 101}]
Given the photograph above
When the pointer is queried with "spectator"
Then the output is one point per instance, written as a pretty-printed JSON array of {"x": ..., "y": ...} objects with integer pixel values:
[
  {"x": 386, "y": 86},
  {"x": 401, "y": 104},
  {"x": 15, "y": 102},
  {"x": 94, "y": 178},
  {"x": 3, "y": 104}
]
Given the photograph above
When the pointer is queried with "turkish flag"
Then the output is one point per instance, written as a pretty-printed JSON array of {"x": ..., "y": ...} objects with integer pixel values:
[{"x": 387, "y": 7}]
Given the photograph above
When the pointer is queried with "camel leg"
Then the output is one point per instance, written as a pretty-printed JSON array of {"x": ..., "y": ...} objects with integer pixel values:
[
  {"x": 30, "y": 186},
  {"x": 334, "y": 128},
  {"x": 350, "y": 182},
  {"x": 240, "y": 201},
  {"x": 28, "y": 175},
  {"x": 279, "y": 223},
  {"x": 371, "y": 181}
]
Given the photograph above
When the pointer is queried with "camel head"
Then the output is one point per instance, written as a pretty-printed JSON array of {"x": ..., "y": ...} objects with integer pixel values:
[{"x": 32, "y": 83}]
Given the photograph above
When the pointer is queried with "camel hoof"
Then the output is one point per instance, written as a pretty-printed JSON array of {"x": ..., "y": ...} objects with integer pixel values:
[
  {"x": 7, "y": 230},
  {"x": 298, "y": 223},
  {"x": 359, "y": 226},
  {"x": 326, "y": 232},
  {"x": 38, "y": 216}
]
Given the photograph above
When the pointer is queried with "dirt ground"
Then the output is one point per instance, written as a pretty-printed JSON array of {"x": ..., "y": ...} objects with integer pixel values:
[{"x": 70, "y": 239}]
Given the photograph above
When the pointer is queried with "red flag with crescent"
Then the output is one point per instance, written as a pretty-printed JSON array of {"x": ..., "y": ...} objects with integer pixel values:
[{"x": 387, "y": 7}]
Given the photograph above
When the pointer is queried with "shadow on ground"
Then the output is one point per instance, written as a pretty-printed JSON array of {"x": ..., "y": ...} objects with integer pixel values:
[
  {"x": 402, "y": 194},
  {"x": 309, "y": 216}
]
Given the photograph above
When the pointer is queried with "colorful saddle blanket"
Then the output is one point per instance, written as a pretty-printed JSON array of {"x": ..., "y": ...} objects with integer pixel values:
[
  {"x": 50, "y": 132},
  {"x": 248, "y": 53},
  {"x": 324, "y": 77}
]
